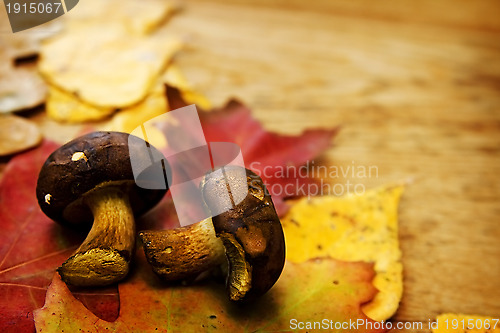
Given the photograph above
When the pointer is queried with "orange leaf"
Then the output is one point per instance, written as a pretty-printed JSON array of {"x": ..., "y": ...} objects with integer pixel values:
[
  {"x": 325, "y": 291},
  {"x": 361, "y": 227}
]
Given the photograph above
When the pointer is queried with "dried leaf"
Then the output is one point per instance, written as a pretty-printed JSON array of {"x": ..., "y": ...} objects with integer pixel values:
[
  {"x": 353, "y": 228},
  {"x": 110, "y": 69},
  {"x": 140, "y": 18},
  {"x": 174, "y": 77},
  {"x": 32, "y": 247},
  {"x": 307, "y": 292},
  {"x": 153, "y": 105},
  {"x": 24, "y": 44},
  {"x": 66, "y": 107},
  {"x": 263, "y": 152},
  {"x": 107, "y": 59},
  {"x": 17, "y": 134},
  {"x": 131, "y": 117},
  {"x": 20, "y": 88}
]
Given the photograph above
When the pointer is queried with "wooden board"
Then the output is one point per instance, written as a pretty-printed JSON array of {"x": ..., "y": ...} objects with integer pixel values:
[{"x": 416, "y": 88}]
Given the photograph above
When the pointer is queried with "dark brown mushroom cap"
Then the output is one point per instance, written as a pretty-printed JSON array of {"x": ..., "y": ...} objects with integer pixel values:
[
  {"x": 90, "y": 161},
  {"x": 253, "y": 223}
]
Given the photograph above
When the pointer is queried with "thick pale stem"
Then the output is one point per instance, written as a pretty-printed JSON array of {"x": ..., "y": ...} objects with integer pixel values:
[
  {"x": 104, "y": 256},
  {"x": 183, "y": 253}
]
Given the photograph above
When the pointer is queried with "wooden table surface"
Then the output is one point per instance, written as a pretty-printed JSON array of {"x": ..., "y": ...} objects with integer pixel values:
[{"x": 416, "y": 89}]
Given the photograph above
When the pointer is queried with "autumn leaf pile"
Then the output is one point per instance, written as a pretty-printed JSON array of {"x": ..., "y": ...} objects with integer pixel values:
[{"x": 34, "y": 247}]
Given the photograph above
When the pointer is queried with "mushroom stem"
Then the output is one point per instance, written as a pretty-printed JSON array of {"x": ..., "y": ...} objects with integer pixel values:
[
  {"x": 183, "y": 253},
  {"x": 104, "y": 256}
]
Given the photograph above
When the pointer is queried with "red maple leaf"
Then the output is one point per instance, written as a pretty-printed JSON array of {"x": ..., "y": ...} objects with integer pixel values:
[
  {"x": 266, "y": 153},
  {"x": 32, "y": 247}
]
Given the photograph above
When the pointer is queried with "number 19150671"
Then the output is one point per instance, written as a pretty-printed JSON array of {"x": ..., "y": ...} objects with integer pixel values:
[
  {"x": 33, "y": 7},
  {"x": 471, "y": 324}
]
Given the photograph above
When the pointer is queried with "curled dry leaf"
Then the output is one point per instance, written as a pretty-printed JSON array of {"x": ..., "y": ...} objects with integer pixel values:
[
  {"x": 131, "y": 117},
  {"x": 69, "y": 108},
  {"x": 138, "y": 18},
  {"x": 354, "y": 228},
  {"x": 174, "y": 77},
  {"x": 17, "y": 134},
  {"x": 108, "y": 60},
  {"x": 20, "y": 88},
  {"x": 110, "y": 69},
  {"x": 153, "y": 105},
  {"x": 24, "y": 44},
  {"x": 66, "y": 107}
]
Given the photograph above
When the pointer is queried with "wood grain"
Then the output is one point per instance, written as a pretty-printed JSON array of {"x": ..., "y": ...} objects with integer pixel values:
[{"x": 416, "y": 89}]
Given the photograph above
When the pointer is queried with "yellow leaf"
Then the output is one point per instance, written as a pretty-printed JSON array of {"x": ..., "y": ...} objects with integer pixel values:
[
  {"x": 132, "y": 117},
  {"x": 174, "y": 77},
  {"x": 352, "y": 228},
  {"x": 65, "y": 107},
  {"x": 455, "y": 323},
  {"x": 154, "y": 105},
  {"x": 111, "y": 69},
  {"x": 135, "y": 17}
]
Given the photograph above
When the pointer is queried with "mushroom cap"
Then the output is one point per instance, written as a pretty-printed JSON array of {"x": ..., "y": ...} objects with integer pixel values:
[
  {"x": 92, "y": 161},
  {"x": 253, "y": 223}
]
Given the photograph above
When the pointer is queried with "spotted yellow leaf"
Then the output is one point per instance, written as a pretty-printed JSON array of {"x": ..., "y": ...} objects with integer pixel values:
[{"x": 360, "y": 227}]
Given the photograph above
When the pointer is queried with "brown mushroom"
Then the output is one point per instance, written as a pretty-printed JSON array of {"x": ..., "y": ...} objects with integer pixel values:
[
  {"x": 249, "y": 234},
  {"x": 90, "y": 181}
]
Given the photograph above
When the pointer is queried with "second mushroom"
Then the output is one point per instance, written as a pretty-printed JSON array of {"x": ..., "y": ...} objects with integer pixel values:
[{"x": 249, "y": 235}]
